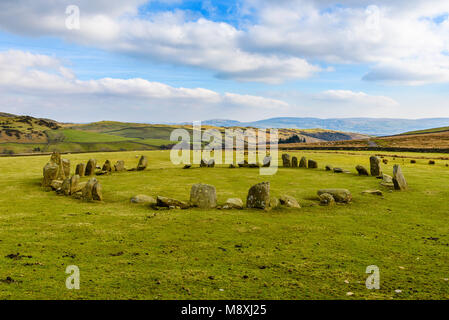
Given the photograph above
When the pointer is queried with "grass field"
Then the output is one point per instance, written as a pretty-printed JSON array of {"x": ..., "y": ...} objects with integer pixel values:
[{"x": 129, "y": 251}]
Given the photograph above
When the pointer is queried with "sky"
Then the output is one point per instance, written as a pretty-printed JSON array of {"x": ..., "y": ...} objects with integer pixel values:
[{"x": 165, "y": 61}]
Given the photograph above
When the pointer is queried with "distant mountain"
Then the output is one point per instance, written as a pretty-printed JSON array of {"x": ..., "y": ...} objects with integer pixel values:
[{"x": 370, "y": 126}]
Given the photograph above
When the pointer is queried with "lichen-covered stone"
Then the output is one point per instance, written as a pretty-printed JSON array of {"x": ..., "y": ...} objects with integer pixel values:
[
  {"x": 340, "y": 195},
  {"x": 203, "y": 196},
  {"x": 289, "y": 201},
  {"x": 398, "y": 179},
  {"x": 259, "y": 196}
]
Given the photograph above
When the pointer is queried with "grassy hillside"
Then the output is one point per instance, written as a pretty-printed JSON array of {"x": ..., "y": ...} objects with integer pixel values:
[
  {"x": 129, "y": 251},
  {"x": 441, "y": 129},
  {"x": 31, "y": 135}
]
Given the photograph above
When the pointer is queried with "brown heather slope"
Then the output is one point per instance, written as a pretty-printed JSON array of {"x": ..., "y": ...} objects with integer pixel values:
[{"x": 419, "y": 141}]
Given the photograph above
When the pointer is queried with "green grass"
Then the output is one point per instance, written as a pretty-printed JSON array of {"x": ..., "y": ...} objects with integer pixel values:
[
  {"x": 71, "y": 135},
  {"x": 305, "y": 253}
]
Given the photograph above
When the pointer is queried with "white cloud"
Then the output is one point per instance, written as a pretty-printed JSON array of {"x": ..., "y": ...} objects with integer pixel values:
[
  {"x": 361, "y": 98},
  {"x": 45, "y": 85},
  {"x": 279, "y": 46},
  {"x": 171, "y": 37}
]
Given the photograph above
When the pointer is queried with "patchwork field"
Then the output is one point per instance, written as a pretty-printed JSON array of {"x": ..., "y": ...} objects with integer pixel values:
[{"x": 129, "y": 251}]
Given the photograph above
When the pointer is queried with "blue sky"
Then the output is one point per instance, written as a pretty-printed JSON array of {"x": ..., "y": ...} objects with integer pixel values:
[{"x": 175, "y": 61}]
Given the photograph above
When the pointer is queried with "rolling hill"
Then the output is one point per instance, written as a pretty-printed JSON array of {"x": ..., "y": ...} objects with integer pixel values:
[
  {"x": 368, "y": 126},
  {"x": 25, "y": 135},
  {"x": 430, "y": 140}
]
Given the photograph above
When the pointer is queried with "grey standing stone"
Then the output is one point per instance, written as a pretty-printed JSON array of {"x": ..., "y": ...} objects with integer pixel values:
[
  {"x": 286, "y": 160},
  {"x": 362, "y": 170},
  {"x": 107, "y": 166},
  {"x": 266, "y": 161},
  {"x": 97, "y": 192},
  {"x": 312, "y": 164},
  {"x": 143, "y": 163},
  {"x": 90, "y": 167},
  {"x": 203, "y": 196},
  {"x": 243, "y": 164},
  {"x": 398, "y": 178},
  {"x": 294, "y": 162},
  {"x": 50, "y": 173},
  {"x": 211, "y": 163},
  {"x": 303, "y": 162},
  {"x": 88, "y": 189},
  {"x": 80, "y": 169},
  {"x": 375, "y": 166},
  {"x": 119, "y": 165},
  {"x": 259, "y": 196},
  {"x": 66, "y": 167}
]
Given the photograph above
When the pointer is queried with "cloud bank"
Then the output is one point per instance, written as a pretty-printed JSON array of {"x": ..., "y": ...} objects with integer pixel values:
[{"x": 404, "y": 42}]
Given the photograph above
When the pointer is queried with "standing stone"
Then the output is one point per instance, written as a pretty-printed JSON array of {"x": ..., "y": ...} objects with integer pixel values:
[
  {"x": 88, "y": 189},
  {"x": 143, "y": 163},
  {"x": 70, "y": 185},
  {"x": 211, "y": 163},
  {"x": 65, "y": 188},
  {"x": 107, "y": 166},
  {"x": 119, "y": 165},
  {"x": 90, "y": 167},
  {"x": 375, "y": 166},
  {"x": 203, "y": 196},
  {"x": 398, "y": 178},
  {"x": 74, "y": 181},
  {"x": 303, "y": 162},
  {"x": 97, "y": 193},
  {"x": 266, "y": 161},
  {"x": 243, "y": 164},
  {"x": 66, "y": 167},
  {"x": 286, "y": 160},
  {"x": 294, "y": 162},
  {"x": 259, "y": 196},
  {"x": 50, "y": 173},
  {"x": 340, "y": 195},
  {"x": 312, "y": 164},
  {"x": 80, "y": 169},
  {"x": 362, "y": 170},
  {"x": 55, "y": 157}
]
